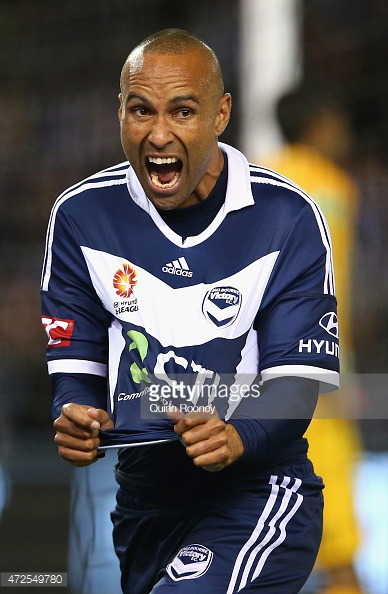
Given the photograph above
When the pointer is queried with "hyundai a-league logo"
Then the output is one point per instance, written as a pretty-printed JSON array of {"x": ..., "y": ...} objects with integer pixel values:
[
  {"x": 222, "y": 305},
  {"x": 191, "y": 562},
  {"x": 124, "y": 280}
]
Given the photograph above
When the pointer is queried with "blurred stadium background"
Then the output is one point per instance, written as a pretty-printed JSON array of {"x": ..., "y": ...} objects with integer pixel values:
[{"x": 59, "y": 70}]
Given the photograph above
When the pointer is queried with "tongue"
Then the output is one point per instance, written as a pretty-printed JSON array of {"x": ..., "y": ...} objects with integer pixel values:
[
  {"x": 166, "y": 172},
  {"x": 165, "y": 177}
]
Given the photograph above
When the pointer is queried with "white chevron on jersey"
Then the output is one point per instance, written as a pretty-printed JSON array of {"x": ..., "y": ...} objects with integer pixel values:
[{"x": 180, "y": 305}]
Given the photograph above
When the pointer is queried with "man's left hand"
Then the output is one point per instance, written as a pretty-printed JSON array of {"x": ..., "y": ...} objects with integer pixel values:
[{"x": 210, "y": 442}]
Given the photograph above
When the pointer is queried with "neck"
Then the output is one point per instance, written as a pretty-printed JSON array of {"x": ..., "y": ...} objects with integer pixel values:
[{"x": 209, "y": 180}]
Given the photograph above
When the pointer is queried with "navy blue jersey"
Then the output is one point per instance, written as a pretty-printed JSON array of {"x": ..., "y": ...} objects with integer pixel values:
[{"x": 125, "y": 297}]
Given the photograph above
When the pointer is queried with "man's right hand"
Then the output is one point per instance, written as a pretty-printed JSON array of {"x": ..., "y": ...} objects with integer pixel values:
[{"x": 77, "y": 432}]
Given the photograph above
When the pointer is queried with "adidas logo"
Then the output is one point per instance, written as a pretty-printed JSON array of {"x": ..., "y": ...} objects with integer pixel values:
[{"x": 178, "y": 267}]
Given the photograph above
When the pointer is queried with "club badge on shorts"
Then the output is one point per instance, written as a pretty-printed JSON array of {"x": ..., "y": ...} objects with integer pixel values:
[{"x": 191, "y": 562}]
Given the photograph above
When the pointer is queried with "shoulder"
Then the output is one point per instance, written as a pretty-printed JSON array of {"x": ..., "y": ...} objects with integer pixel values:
[
  {"x": 92, "y": 186},
  {"x": 278, "y": 193},
  {"x": 286, "y": 208},
  {"x": 252, "y": 184}
]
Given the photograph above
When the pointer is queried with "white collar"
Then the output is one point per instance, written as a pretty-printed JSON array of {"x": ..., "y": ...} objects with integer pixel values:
[{"x": 238, "y": 195}]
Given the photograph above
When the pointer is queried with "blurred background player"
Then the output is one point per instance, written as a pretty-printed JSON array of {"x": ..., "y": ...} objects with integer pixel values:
[
  {"x": 318, "y": 135},
  {"x": 93, "y": 566}
]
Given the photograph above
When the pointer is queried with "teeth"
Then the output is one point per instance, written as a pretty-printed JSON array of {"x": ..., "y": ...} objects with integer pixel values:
[
  {"x": 171, "y": 184},
  {"x": 162, "y": 161}
]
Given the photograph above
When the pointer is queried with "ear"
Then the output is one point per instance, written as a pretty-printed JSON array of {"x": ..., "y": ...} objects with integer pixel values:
[
  {"x": 223, "y": 113},
  {"x": 121, "y": 108}
]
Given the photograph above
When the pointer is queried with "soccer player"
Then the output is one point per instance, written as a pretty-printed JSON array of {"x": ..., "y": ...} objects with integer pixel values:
[{"x": 185, "y": 270}]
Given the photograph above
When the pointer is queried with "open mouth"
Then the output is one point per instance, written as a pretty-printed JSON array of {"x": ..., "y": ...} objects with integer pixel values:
[{"x": 164, "y": 171}]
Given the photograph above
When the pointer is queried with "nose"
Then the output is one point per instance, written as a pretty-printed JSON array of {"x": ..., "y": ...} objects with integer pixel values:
[{"x": 160, "y": 134}]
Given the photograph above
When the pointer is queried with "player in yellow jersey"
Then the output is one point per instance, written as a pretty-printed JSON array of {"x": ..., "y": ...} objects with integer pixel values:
[{"x": 318, "y": 135}]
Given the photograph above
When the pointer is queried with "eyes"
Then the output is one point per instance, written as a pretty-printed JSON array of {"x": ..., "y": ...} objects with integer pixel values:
[
  {"x": 142, "y": 112},
  {"x": 184, "y": 112}
]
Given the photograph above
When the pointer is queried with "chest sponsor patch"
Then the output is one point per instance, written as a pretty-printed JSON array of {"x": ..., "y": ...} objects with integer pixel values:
[
  {"x": 191, "y": 562},
  {"x": 222, "y": 305}
]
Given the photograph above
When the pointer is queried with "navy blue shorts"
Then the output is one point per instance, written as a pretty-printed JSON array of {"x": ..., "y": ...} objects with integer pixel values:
[{"x": 256, "y": 535}]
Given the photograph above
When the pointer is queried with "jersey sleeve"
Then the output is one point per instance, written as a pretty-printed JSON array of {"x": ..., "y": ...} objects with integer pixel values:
[
  {"x": 73, "y": 316},
  {"x": 297, "y": 327},
  {"x": 265, "y": 431}
]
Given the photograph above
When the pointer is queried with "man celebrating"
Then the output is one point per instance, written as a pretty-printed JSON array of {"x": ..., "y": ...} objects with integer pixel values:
[{"x": 193, "y": 264}]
